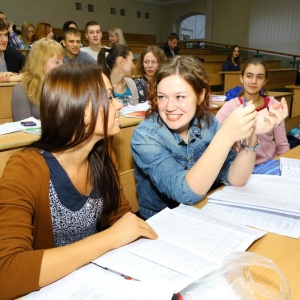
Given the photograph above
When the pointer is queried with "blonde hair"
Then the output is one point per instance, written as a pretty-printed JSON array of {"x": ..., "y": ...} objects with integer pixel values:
[
  {"x": 38, "y": 56},
  {"x": 24, "y": 29},
  {"x": 117, "y": 31}
]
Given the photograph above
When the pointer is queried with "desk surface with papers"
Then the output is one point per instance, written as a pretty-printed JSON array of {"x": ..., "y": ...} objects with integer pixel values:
[{"x": 282, "y": 250}]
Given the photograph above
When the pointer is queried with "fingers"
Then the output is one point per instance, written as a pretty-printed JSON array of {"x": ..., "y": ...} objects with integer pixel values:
[{"x": 4, "y": 76}]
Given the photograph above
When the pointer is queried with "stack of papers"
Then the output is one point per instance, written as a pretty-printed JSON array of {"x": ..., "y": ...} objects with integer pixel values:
[
  {"x": 141, "y": 107},
  {"x": 17, "y": 126},
  {"x": 267, "y": 202},
  {"x": 190, "y": 245}
]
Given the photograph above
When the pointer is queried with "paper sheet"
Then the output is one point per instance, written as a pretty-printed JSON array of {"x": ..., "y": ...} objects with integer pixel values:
[{"x": 93, "y": 282}]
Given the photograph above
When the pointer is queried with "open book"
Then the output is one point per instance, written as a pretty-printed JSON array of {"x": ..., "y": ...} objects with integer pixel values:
[
  {"x": 190, "y": 245},
  {"x": 267, "y": 202}
]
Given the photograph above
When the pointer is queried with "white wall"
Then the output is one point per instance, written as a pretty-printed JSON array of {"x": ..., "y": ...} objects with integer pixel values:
[
  {"x": 56, "y": 12},
  {"x": 267, "y": 24}
]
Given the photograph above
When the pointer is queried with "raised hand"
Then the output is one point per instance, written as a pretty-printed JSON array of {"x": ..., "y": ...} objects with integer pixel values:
[
  {"x": 268, "y": 118},
  {"x": 240, "y": 123}
]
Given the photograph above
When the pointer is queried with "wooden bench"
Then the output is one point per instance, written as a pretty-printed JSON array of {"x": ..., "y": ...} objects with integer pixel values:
[
  {"x": 278, "y": 78},
  {"x": 5, "y": 101}
]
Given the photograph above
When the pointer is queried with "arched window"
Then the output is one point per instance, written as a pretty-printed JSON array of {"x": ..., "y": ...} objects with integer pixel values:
[{"x": 192, "y": 27}]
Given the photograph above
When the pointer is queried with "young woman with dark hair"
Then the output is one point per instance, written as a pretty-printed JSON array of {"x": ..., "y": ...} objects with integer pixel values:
[
  {"x": 117, "y": 64},
  {"x": 54, "y": 194}
]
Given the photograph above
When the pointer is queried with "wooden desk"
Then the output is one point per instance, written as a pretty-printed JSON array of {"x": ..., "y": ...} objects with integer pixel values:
[
  {"x": 5, "y": 101},
  {"x": 283, "y": 251},
  {"x": 278, "y": 78}
]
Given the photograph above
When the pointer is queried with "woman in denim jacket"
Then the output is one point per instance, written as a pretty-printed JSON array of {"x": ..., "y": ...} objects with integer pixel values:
[{"x": 180, "y": 151}]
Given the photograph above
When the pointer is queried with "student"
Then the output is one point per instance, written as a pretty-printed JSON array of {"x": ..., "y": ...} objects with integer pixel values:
[
  {"x": 232, "y": 62},
  {"x": 44, "y": 55},
  {"x": 146, "y": 66},
  {"x": 116, "y": 36},
  {"x": 253, "y": 77},
  {"x": 180, "y": 151},
  {"x": 42, "y": 30},
  {"x": 11, "y": 60},
  {"x": 27, "y": 30},
  {"x": 72, "y": 42},
  {"x": 171, "y": 46},
  {"x": 67, "y": 24},
  {"x": 117, "y": 64},
  {"x": 66, "y": 182},
  {"x": 13, "y": 39},
  {"x": 93, "y": 34}
]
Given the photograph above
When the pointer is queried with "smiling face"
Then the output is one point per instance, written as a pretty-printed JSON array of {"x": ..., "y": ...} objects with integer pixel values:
[
  {"x": 72, "y": 44},
  {"x": 3, "y": 40},
  {"x": 236, "y": 52},
  {"x": 113, "y": 124},
  {"x": 113, "y": 39},
  {"x": 177, "y": 103},
  {"x": 150, "y": 64},
  {"x": 254, "y": 78}
]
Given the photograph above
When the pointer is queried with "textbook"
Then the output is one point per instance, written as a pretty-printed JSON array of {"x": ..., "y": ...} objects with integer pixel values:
[
  {"x": 268, "y": 202},
  {"x": 190, "y": 245}
]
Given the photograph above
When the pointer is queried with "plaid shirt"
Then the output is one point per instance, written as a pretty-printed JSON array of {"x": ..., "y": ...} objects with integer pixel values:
[{"x": 14, "y": 41}]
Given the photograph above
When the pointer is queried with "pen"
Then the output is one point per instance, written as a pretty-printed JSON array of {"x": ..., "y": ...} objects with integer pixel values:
[{"x": 244, "y": 105}]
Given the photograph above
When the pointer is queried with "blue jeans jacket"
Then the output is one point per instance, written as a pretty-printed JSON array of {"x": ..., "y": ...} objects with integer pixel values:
[{"x": 162, "y": 159}]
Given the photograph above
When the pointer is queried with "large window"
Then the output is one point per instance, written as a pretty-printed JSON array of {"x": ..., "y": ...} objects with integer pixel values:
[{"x": 192, "y": 27}]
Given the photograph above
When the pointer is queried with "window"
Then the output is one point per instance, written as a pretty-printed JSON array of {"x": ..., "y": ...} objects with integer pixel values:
[{"x": 192, "y": 27}]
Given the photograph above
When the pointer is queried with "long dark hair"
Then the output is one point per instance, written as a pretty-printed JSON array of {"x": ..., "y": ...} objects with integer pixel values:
[
  {"x": 230, "y": 53},
  {"x": 192, "y": 71},
  {"x": 107, "y": 57},
  {"x": 66, "y": 92}
]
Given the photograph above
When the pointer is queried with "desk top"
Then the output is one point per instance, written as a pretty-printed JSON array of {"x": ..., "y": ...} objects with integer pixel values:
[
  {"x": 22, "y": 139},
  {"x": 8, "y": 83},
  {"x": 283, "y": 251}
]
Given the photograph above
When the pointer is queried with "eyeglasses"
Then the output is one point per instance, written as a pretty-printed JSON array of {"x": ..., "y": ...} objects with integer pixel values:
[{"x": 153, "y": 62}]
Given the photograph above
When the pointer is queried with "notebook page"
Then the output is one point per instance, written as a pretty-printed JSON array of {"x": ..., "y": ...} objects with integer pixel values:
[
  {"x": 270, "y": 221},
  {"x": 290, "y": 167}
]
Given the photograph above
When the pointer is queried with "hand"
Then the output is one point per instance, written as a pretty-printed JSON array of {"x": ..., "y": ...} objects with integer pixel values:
[
  {"x": 5, "y": 76},
  {"x": 128, "y": 229},
  {"x": 240, "y": 123},
  {"x": 268, "y": 119},
  {"x": 10, "y": 27}
]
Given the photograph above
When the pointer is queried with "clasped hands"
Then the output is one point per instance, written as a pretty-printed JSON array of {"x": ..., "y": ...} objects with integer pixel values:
[
  {"x": 268, "y": 118},
  {"x": 244, "y": 122}
]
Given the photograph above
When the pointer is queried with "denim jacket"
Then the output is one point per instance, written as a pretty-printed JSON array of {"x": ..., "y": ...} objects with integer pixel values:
[{"x": 162, "y": 159}]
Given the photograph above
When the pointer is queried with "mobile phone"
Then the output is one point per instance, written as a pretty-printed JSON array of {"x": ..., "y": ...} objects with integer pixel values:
[{"x": 28, "y": 123}]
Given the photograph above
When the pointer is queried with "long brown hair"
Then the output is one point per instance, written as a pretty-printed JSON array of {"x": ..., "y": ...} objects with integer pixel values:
[
  {"x": 41, "y": 31},
  {"x": 192, "y": 71},
  {"x": 67, "y": 91},
  {"x": 139, "y": 69}
]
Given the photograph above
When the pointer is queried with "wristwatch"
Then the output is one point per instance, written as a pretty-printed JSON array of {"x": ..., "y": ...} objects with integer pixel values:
[{"x": 252, "y": 149}]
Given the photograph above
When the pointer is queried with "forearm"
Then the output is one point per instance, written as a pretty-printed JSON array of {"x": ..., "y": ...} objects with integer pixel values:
[
  {"x": 205, "y": 171},
  {"x": 242, "y": 166},
  {"x": 61, "y": 261}
]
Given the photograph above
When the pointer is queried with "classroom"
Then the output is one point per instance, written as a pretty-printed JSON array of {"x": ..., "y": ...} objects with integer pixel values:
[{"x": 266, "y": 30}]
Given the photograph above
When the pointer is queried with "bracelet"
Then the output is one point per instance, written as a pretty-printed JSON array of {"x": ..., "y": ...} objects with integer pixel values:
[{"x": 252, "y": 149}]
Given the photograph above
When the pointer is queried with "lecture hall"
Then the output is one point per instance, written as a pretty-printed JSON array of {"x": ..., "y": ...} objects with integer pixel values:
[{"x": 85, "y": 204}]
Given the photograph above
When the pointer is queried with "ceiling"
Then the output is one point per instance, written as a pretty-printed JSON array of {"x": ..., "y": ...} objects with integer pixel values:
[{"x": 166, "y": 2}]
